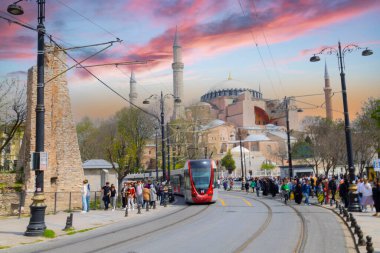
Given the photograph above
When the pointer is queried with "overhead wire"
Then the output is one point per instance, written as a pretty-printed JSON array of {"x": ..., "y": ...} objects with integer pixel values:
[
  {"x": 268, "y": 47},
  {"x": 259, "y": 52},
  {"x": 106, "y": 85}
]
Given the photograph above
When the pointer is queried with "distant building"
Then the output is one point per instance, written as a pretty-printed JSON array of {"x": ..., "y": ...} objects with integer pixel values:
[{"x": 98, "y": 172}]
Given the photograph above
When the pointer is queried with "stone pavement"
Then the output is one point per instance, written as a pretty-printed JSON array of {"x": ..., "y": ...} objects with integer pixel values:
[
  {"x": 12, "y": 229},
  {"x": 369, "y": 224}
]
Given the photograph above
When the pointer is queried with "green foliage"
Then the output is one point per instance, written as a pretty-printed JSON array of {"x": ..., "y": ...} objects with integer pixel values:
[
  {"x": 4, "y": 247},
  {"x": 302, "y": 150},
  {"x": 267, "y": 166},
  {"x": 72, "y": 231},
  {"x": 228, "y": 162},
  {"x": 48, "y": 233}
]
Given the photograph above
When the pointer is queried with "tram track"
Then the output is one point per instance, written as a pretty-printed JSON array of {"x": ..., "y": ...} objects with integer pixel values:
[
  {"x": 301, "y": 243},
  {"x": 110, "y": 245},
  {"x": 261, "y": 229}
]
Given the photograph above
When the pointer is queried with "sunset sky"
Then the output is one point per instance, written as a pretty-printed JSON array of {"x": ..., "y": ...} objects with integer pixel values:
[{"x": 260, "y": 42}]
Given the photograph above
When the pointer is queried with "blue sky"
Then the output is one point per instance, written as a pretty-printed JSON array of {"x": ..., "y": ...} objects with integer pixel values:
[{"x": 216, "y": 38}]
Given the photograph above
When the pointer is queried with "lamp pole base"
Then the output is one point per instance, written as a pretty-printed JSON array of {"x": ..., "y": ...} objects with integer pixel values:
[
  {"x": 353, "y": 199},
  {"x": 37, "y": 225}
]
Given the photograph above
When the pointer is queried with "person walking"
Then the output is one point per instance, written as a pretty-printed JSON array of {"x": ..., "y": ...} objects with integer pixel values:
[
  {"x": 130, "y": 197},
  {"x": 306, "y": 191},
  {"x": 332, "y": 188},
  {"x": 85, "y": 196},
  {"x": 146, "y": 196},
  {"x": 253, "y": 185},
  {"x": 139, "y": 193},
  {"x": 106, "y": 190},
  {"x": 343, "y": 191},
  {"x": 298, "y": 193},
  {"x": 153, "y": 195},
  {"x": 113, "y": 197},
  {"x": 124, "y": 195},
  {"x": 376, "y": 197},
  {"x": 367, "y": 195},
  {"x": 246, "y": 185},
  {"x": 258, "y": 187}
]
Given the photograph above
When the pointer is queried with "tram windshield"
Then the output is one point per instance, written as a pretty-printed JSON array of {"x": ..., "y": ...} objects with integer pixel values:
[{"x": 201, "y": 173}]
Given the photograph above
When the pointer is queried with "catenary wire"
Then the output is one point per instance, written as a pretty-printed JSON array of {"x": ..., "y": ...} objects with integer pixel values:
[{"x": 259, "y": 52}]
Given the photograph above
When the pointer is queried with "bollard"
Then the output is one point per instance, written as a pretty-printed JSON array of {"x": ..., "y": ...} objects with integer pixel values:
[
  {"x": 336, "y": 204},
  {"x": 348, "y": 217},
  {"x": 340, "y": 210},
  {"x": 353, "y": 223},
  {"x": 357, "y": 227},
  {"x": 361, "y": 241},
  {"x": 138, "y": 209},
  {"x": 165, "y": 200},
  {"x": 147, "y": 207},
  {"x": 126, "y": 212},
  {"x": 154, "y": 204},
  {"x": 351, "y": 217},
  {"x": 69, "y": 222},
  {"x": 369, "y": 246}
]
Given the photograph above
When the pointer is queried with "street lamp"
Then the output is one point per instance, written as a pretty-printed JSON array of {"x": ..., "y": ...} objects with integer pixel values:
[
  {"x": 162, "y": 122},
  {"x": 353, "y": 198},
  {"x": 37, "y": 225},
  {"x": 155, "y": 129},
  {"x": 241, "y": 161},
  {"x": 290, "y": 161}
]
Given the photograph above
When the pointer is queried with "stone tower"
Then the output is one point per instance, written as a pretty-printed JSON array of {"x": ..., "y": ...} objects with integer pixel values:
[
  {"x": 132, "y": 91},
  {"x": 64, "y": 173},
  {"x": 179, "y": 109},
  {"x": 327, "y": 89}
]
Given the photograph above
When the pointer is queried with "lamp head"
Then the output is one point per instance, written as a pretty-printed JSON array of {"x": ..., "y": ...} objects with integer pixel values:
[
  {"x": 15, "y": 9},
  {"x": 315, "y": 58},
  {"x": 299, "y": 110},
  {"x": 367, "y": 52},
  {"x": 146, "y": 102},
  {"x": 177, "y": 100}
]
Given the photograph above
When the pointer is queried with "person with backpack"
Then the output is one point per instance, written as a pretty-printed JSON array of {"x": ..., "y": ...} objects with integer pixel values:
[
  {"x": 85, "y": 196},
  {"x": 113, "y": 197}
]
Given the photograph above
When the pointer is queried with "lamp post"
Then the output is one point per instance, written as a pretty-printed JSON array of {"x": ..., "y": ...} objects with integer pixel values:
[
  {"x": 353, "y": 198},
  {"x": 156, "y": 128},
  {"x": 162, "y": 122},
  {"x": 241, "y": 161},
  {"x": 290, "y": 161},
  {"x": 168, "y": 146},
  {"x": 37, "y": 225}
]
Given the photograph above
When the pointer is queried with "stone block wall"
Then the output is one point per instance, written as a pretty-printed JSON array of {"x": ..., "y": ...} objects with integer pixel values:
[{"x": 64, "y": 172}]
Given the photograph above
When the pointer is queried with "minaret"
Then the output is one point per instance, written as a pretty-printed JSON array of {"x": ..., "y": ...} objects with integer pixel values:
[
  {"x": 179, "y": 110},
  {"x": 132, "y": 92},
  {"x": 327, "y": 89}
]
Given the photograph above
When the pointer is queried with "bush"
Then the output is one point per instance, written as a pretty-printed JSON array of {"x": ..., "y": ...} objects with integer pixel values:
[{"x": 48, "y": 233}]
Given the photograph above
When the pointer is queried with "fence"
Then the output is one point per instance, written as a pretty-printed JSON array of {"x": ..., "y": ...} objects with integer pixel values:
[{"x": 17, "y": 203}]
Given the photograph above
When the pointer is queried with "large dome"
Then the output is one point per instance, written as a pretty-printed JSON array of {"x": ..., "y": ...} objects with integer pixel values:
[
  {"x": 231, "y": 84},
  {"x": 229, "y": 87}
]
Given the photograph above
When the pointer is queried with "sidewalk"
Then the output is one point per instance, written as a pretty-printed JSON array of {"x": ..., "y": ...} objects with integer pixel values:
[
  {"x": 369, "y": 224},
  {"x": 12, "y": 229}
]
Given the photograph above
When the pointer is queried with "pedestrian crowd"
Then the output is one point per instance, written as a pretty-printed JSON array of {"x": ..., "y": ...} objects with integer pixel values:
[
  {"x": 325, "y": 189},
  {"x": 132, "y": 193}
]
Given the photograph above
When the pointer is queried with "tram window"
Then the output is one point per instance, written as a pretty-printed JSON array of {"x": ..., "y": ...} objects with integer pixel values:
[{"x": 201, "y": 174}]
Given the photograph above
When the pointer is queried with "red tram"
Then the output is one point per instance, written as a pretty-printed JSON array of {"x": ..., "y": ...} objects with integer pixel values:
[{"x": 196, "y": 181}]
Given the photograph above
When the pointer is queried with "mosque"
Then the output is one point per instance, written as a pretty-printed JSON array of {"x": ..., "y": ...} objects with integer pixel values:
[{"x": 234, "y": 113}]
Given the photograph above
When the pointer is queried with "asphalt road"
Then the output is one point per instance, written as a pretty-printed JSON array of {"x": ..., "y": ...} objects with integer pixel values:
[{"x": 236, "y": 223}]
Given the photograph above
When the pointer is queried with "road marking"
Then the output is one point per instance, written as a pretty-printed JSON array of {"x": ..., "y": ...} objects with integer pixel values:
[
  {"x": 222, "y": 202},
  {"x": 247, "y": 202}
]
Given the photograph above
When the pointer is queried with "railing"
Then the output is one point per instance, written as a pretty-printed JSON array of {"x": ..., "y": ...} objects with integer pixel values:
[{"x": 17, "y": 203}]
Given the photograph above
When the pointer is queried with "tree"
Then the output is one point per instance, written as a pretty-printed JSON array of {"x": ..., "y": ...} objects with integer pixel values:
[
  {"x": 366, "y": 134},
  {"x": 228, "y": 162},
  {"x": 12, "y": 110},
  {"x": 89, "y": 136},
  {"x": 127, "y": 136}
]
